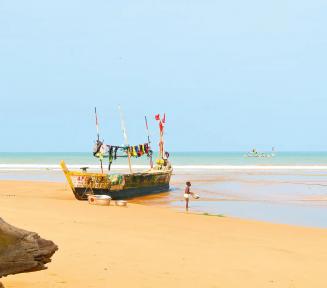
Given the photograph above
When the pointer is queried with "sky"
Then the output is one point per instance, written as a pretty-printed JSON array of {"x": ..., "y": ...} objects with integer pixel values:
[{"x": 230, "y": 75}]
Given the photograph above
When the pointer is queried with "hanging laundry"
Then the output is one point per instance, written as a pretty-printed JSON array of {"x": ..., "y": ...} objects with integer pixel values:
[
  {"x": 131, "y": 151},
  {"x": 146, "y": 148},
  {"x": 96, "y": 147},
  {"x": 110, "y": 153},
  {"x": 115, "y": 152},
  {"x": 110, "y": 156},
  {"x": 104, "y": 149},
  {"x": 139, "y": 152},
  {"x": 143, "y": 148},
  {"x": 134, "y": 152},
  {"x": 99, "y": 155}
]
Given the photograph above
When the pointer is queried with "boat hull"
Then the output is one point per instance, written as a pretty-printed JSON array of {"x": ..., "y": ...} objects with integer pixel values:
[
  {"x": 119, "y": 186},
  {"x": 81, "y": 193}
]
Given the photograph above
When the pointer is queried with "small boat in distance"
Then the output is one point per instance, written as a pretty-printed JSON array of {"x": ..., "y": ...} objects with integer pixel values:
[
  {"x": 123, "y": 186},
  {"x": 255, "y": 154}
]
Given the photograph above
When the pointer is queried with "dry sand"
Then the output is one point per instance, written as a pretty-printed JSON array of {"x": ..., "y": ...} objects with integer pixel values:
[{"x": 141, "y": 246}]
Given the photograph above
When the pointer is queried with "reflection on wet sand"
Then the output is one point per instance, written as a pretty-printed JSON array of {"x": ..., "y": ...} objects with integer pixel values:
[{"x": 262, "y": 195}]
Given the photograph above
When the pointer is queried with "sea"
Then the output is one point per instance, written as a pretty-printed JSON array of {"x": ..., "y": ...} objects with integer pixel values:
[{"x": 289, "y": 188}]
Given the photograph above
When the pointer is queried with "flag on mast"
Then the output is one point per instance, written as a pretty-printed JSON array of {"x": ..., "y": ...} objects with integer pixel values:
[{"x": 161, "y": 128}]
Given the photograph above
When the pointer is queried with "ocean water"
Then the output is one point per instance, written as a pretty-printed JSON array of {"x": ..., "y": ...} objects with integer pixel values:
[
  {"x": 290, "y": 188},
  {"x": 177, "y": 158}
]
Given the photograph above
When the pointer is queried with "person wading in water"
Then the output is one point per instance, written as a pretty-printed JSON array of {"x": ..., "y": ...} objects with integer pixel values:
[{"x": 188, "y": 193}]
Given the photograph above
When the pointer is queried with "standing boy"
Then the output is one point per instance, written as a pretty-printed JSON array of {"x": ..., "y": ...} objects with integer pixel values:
[{"x": 187, "y": 193}]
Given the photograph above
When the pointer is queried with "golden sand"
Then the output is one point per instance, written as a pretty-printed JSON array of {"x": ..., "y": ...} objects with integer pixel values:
[{"x": 141, "y": 246}]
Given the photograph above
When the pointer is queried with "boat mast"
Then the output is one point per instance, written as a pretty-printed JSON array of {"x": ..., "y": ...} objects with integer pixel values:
[
  {"x": 98, "y": 134},
  {"x": 149, "y": 142},
  {"x": 123, "y": 128},
  {"x": 161, "y": 144},
  {"x": 161, "y": 128}
]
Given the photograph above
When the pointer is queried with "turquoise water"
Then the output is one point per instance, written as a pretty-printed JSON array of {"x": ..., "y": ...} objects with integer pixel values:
[{"x": 177, "y": 158}]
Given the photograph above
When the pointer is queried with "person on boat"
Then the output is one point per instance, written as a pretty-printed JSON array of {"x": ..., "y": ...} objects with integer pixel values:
[{"x": 166, "y": 163}]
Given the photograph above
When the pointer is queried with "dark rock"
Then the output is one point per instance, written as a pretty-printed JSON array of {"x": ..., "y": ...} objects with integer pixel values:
[{"x": 23, "y": 251}]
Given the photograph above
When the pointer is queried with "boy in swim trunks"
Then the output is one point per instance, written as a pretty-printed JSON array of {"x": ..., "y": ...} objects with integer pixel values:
[{"x": 187, "y": 194}]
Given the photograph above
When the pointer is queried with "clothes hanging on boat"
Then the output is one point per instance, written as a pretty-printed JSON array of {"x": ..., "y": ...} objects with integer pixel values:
[
  {"x": 143, "y": 148},
  {"x": 111, "y": 151},
  {"x": 139, "y": 153},
  {"x": 96, "y": 147},
  {"x": 104, "y": 150},
  {"x": 115, "y": 152},
  {"x": 130, "y": 151},
  {"x": 134, "y": 152},
  {"x": 146, "y": 148},
  {"x": 110, "y": 156},
  {"x": 99, "y": 155}
]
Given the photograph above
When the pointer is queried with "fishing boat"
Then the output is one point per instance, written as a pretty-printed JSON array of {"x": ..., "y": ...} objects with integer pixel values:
[
  {"x": 126, "y": 185},
  {"x": 255, "y": 154}
]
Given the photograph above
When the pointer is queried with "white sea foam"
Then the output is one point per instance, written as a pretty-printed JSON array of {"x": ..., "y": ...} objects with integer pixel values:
[{"x": 55, "y": 167}]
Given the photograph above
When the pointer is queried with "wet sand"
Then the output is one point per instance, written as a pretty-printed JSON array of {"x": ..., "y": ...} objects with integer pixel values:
[
  {"x": 278, "y": 196},
  {"x": 142, "y": 246}
]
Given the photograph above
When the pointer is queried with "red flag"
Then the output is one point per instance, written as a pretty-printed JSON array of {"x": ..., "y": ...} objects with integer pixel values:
[{"x": 157, "y": 117}]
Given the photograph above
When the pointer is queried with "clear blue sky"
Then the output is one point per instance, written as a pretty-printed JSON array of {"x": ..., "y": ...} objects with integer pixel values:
[{"x": 229, "y": 74}]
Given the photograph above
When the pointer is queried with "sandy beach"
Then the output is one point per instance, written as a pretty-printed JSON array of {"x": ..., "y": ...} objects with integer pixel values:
[{"x": 142, "y": 246}]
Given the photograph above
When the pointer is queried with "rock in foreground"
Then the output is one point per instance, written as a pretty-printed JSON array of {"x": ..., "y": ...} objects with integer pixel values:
[{"x": 23, "y": 251}]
